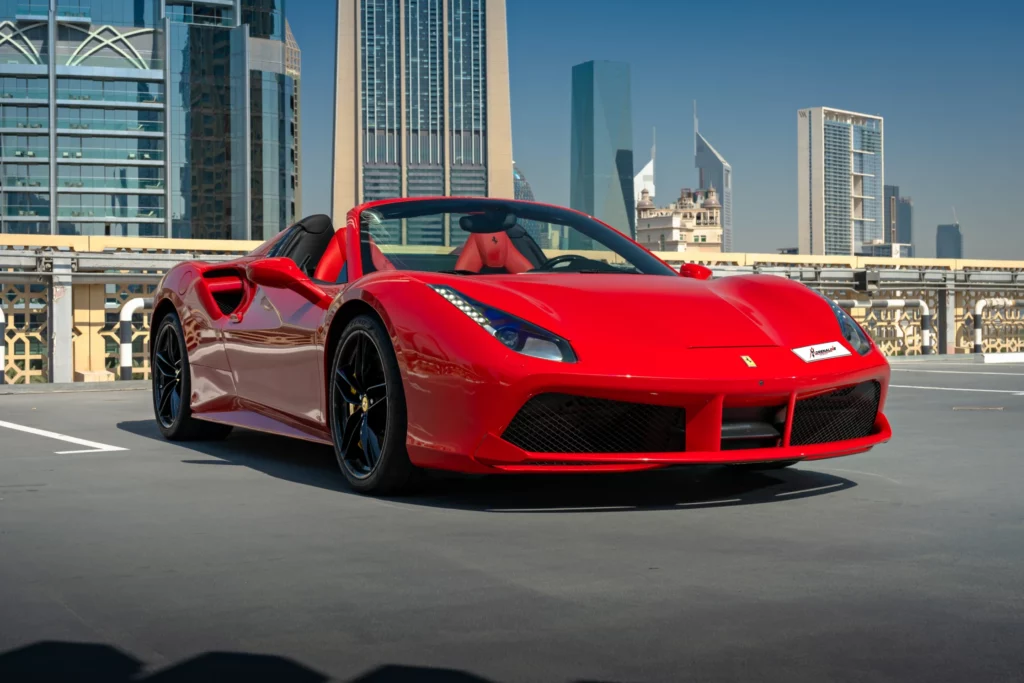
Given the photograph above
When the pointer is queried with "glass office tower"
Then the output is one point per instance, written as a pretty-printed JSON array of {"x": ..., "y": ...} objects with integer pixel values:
[
  {"x": 601, "y": 171},
  {"x": 135, "y": 118},
  {"x": 840, "y": 176},
  {"x": 949, "y": 241},
  {"x": 422, "y": 105}
]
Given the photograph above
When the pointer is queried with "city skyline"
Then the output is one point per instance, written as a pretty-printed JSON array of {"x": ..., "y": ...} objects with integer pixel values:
[{"x": 748, "y": 112}]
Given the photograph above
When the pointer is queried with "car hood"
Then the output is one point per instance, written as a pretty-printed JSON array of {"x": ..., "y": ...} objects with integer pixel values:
[{"x": 655, "y": 313}]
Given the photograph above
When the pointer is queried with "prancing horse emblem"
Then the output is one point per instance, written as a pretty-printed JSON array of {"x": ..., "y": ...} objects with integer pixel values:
[
  {"x": 494, "y": 239},
  {"x": 749, "y": 361}
]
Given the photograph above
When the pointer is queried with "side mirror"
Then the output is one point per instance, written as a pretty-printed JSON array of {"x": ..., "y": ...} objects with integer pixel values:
[
  {"x": 282, "y": 273},
  {"x": 695, "y": 271}
]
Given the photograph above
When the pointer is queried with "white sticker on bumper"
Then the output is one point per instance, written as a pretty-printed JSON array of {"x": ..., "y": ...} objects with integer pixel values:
[{"x": 816, "y": 352}]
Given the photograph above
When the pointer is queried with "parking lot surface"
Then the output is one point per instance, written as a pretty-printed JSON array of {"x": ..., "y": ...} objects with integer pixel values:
[{"x": 127, "y": 558}]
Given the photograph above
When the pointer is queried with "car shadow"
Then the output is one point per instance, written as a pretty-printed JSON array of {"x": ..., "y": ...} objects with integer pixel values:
[
  {"x": 685, "y": 487},
  {"x": 64, "y": 662}
]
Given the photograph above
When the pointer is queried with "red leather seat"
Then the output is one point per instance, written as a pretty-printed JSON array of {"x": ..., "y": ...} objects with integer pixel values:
[
  {"x": 493, "y": 252},
  {"x": 333, "y": 260}
]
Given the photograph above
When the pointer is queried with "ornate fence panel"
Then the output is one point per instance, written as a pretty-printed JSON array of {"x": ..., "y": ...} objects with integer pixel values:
[{"x": 25, "y": 306}]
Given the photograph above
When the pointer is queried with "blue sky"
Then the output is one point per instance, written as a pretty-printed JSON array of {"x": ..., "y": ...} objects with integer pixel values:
[{"x": 948, "y": 78}]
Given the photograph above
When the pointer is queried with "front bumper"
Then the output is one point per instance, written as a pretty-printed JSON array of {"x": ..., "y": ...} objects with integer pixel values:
[
  {"x": 713, "y": 382},
  {"x": 707, "y": 403}
]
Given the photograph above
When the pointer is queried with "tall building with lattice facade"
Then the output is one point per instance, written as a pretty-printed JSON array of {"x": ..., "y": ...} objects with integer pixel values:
[
  {"x": 422, "y": 104},
  {"x": 145, "y": 118},
  {"x": 840, "y": 180},
  {"x": 293, "y": 67}
]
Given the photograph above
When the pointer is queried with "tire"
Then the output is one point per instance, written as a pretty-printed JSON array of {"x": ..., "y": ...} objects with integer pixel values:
[
  {"x": 172, "y": 387},
  {"x": 367, "y": 411}
]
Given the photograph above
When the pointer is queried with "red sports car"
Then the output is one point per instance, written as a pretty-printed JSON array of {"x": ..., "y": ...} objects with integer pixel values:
[{"x": 485, "y": 335}]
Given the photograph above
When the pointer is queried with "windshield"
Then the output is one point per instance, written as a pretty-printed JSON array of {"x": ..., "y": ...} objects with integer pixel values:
[{"x": 496, "y": 237}]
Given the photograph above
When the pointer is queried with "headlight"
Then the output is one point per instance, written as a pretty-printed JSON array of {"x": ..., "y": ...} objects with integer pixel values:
[
  {"x": 515, "y": 333},
  {"x": 852, "y": 332}
]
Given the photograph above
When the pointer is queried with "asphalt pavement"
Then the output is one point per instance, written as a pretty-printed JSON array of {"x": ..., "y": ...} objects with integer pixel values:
[{"x": 125, "y": 558}]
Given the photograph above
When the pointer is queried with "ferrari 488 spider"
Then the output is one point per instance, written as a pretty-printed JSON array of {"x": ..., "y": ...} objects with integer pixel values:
[{"x": 484, "y": 335}]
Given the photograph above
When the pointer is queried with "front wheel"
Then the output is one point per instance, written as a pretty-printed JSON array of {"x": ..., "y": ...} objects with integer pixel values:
[{"x": 367, "y": 404}]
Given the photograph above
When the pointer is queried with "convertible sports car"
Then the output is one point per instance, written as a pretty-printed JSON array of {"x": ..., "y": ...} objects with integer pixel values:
[{"x": 529, "y": 339}]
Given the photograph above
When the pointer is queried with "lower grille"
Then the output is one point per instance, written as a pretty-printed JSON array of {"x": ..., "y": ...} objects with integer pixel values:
[
  {"x": 847, "y": 413},
  {"x": 562, "y": 423}
]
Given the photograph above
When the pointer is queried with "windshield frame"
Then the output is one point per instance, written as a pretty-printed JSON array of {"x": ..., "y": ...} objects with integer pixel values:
[{"x": 393, "y": 209}]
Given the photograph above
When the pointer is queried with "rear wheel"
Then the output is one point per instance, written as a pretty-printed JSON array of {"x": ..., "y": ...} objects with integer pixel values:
[
  {"x": 172, "y": 387},
  {"x": 367, "y": 403}
]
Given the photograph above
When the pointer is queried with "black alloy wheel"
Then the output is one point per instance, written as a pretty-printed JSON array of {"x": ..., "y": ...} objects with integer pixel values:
[
  {"x": 167, "y": 362},
  {"x": 172, "y": 386},
  {"x": 368, "y": 419}
]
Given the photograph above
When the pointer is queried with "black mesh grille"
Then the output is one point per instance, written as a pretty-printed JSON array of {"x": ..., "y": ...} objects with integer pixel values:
[
  {"x": 561, "y": 423},
  {"x": 847, "y": 413}
]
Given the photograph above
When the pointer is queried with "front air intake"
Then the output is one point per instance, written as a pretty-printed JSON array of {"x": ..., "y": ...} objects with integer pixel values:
[
  {"x": 562, "y": 423},
  {"x": 843, "y": 414}
]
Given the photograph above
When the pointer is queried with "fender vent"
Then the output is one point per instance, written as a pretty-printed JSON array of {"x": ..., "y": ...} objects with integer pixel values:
[
  {"x": 562, "y": 423},
  {"x": 844, "y": 414}
]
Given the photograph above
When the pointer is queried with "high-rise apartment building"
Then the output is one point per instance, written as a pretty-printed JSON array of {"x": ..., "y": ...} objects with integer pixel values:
[
  {"x": 601, "y": 171},
  {"x": 145, "y": 118},
  {"x": 840, "y": 176},
  {"x": 422, "y": 104},
  {"x": 949, "y": 241}
]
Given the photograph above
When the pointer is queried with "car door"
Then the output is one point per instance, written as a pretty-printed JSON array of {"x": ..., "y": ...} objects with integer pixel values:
[
  {"x": 273, "y": 349},
  {"x": 272, "y": 340}
]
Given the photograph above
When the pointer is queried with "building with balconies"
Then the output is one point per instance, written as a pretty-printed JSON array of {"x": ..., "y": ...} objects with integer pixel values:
[
  {"x": 692, "y": 224},
  {"x": 145, "y": 118},
  {"x": 840, "y": 179}
]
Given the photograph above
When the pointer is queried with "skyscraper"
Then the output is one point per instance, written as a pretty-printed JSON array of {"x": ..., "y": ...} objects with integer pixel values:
[
  {"x": 905, "y": 221},
  {"x": 898, "y": 226},
  {"x": 293, "y": 67},
  {"x": 422, "y": 104},
  {"x": 840, "y": 175},
  {"x": 890, "y": 224},
  {"x": 714, "y": 172},
  {"x": 601, "y": 174},
  {"x": 949, "y": 241},
  {"x": 145, "y": 118}
]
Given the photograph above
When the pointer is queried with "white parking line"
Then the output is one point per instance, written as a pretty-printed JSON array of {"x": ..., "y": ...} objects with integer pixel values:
[
  {"x": 93, "y": 447},
  {"x": 982, "y": 391},
  {"x": 959, "y": 372}
]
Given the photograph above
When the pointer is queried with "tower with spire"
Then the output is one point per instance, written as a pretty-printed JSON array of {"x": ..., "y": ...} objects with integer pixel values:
[{"x": 714, "y": 173}]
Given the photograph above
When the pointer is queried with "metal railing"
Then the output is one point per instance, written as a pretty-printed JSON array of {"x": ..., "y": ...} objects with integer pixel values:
[
  {"x": 920, "y": 306},
  {"x": 979, "y": 321}
]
